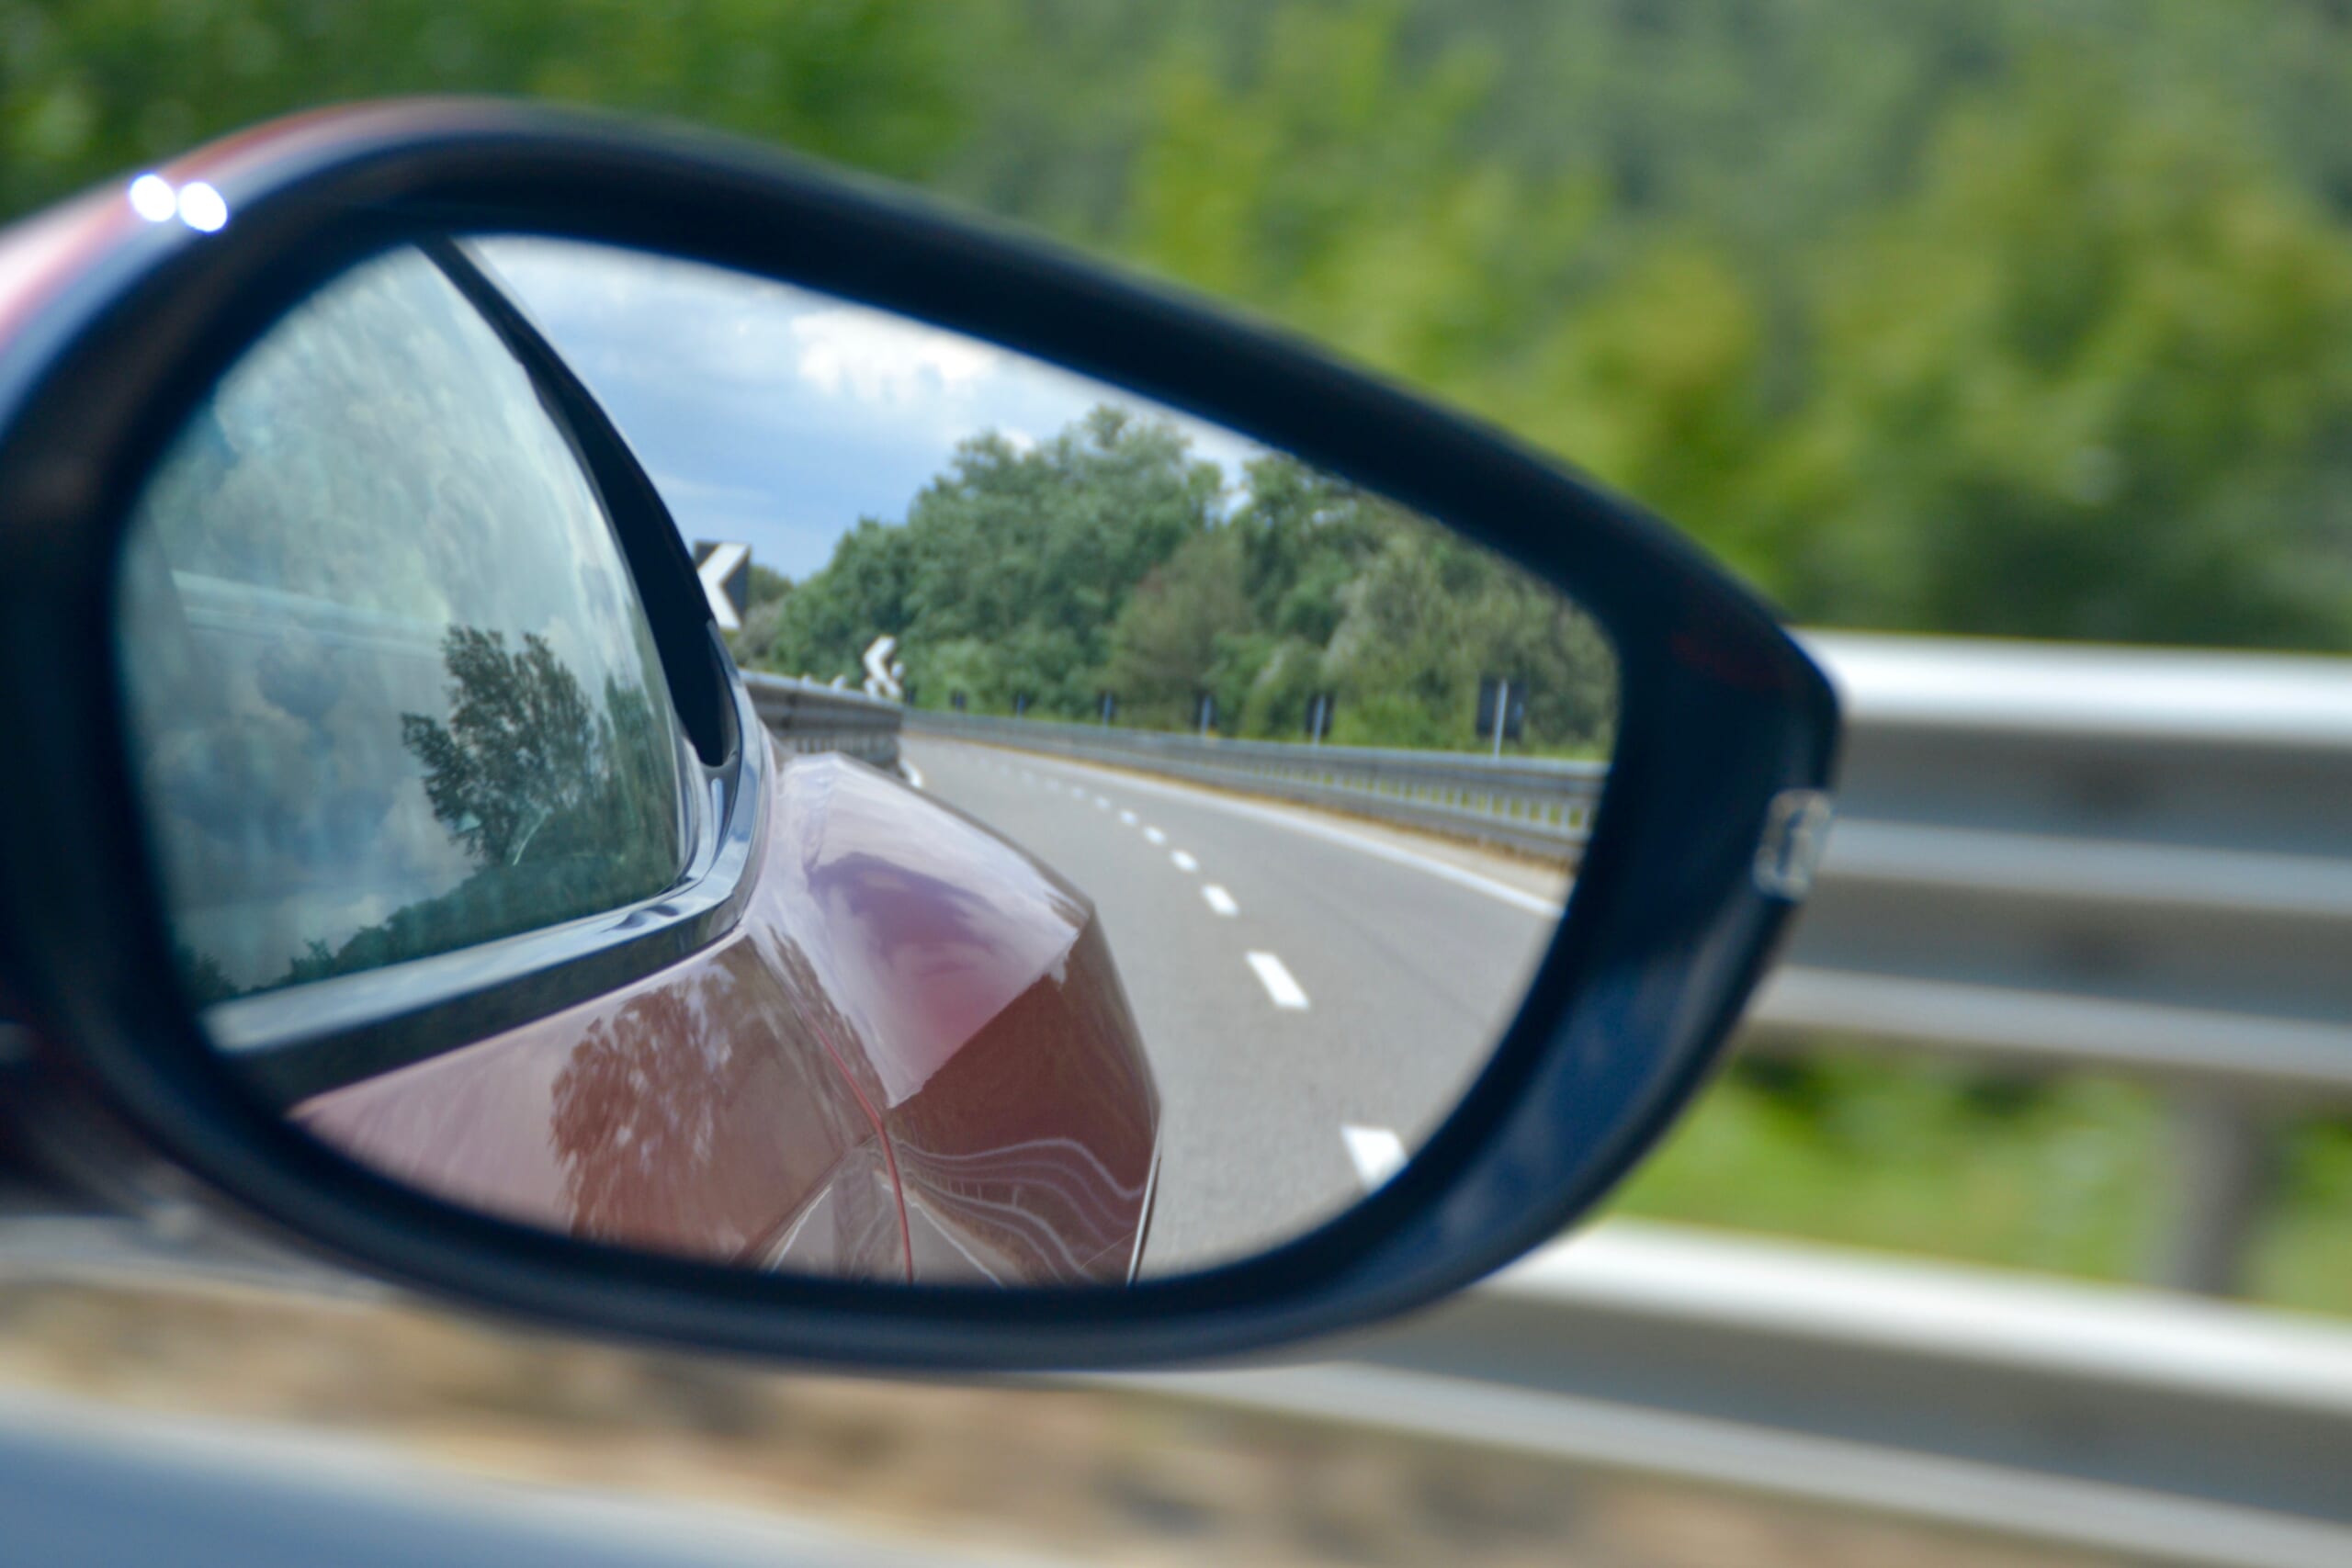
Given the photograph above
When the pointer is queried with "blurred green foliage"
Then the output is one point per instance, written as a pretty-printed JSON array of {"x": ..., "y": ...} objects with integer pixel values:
[
  {"x": 1975, "y": 319},
  {"x": 2063, "y": 1176},
  {"x": 1963, "y": 315},
  {"x": 1922, "y": 1157}
]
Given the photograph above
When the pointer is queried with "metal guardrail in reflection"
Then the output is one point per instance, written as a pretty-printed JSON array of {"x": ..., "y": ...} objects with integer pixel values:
[
  {"x": 807, "y": 717},
  {"x": 1536, "y": 805}
]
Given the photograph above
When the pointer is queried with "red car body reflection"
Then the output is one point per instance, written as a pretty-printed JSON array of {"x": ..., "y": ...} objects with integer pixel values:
[{"x": 912, "y": 1059}]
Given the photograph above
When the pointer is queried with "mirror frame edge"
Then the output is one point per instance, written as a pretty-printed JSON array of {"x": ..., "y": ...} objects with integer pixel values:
[{"x": 1718, "y": 703}]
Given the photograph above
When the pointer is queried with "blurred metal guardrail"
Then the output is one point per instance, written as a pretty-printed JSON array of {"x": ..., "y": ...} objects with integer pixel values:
[
  {"x": 2132, "y": 860},
  {"x": 2051, "y": 856},
  {"x": 2055, "y": 856},
  {"x": 2163, "y": 1429},
  {"x": 807, "y": 717},
  {"x": 1537, "y": 806}
]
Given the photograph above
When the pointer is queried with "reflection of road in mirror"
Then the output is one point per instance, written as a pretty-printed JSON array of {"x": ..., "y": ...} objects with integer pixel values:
[
  {"x": 915, "y": 1058},
  {"x": 1292, "y": 1087},
  {"x": 1026, "y": 542}
]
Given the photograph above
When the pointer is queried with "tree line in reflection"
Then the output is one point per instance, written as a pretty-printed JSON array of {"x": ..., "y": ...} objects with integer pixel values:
[
  {"x": 565, "y": 804},
  {"x": 1113, "y": 557}
]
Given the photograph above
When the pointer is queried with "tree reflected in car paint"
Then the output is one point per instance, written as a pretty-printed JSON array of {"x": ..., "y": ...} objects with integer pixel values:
[{"x": 911, "y": 1059}]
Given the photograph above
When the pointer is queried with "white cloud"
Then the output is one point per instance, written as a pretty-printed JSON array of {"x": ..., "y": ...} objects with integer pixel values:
[
  {"x": 884, "y": 359},
  {"x": 781, "y": 415}
]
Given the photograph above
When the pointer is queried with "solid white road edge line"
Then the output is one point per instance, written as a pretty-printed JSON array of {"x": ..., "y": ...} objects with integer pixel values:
[
  {"x": 1279, "y": 986},
  {"x": 1220, "y": 900}
]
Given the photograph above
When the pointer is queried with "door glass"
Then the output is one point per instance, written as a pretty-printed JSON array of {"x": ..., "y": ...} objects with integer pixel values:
[{"x": 395, "y": 692}]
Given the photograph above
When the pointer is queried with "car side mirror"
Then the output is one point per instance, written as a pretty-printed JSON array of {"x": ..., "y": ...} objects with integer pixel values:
[{"x": 1227, "y": 850}]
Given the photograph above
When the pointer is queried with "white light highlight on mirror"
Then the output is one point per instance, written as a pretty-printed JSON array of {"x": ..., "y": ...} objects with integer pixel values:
[
  {"x": 202, "y": 208},
  {"x": 152, "y": 198},
  {"x": 1377, "y": 1152}
]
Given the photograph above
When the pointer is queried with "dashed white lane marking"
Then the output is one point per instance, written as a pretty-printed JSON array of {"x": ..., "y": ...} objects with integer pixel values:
[
  {"x": 1054, "y": 785},
  {"x": 1183, "y": 861},
  {"x": 915, "y": 774},
  {"x": 1155, "y": 835},
  {"x": 1102, "y": 803},
  {"x": 1220, "y": 900},
  {"x": 1279, "y": 986},
  {"x": 1534, "y": 904},
  {"x": 1378, "y": 1153},
  {"x": 1128, "y": 818}
]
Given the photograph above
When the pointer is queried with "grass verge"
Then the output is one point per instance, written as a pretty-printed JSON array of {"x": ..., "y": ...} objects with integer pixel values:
[{"x": 2064, "y": 1175}]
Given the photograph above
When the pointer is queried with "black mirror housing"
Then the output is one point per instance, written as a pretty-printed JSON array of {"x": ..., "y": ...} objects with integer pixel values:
[{"x": 115, "y": 322}]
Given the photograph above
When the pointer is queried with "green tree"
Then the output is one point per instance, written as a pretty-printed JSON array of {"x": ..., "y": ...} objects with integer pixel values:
[
  {"x": 825, "y": 625},
  {"x": 521, "y": 745},
  {"x": 763, "y": 617},
  {"x": 1110, "y": 558},
  {"x": 1960, "y": 315},
  {"x": 2089, "y": 382},
  {"x": 1010, "y": 568},
  {"x": 94, "y": 87},
  {"x": 1179, "y": 624}
]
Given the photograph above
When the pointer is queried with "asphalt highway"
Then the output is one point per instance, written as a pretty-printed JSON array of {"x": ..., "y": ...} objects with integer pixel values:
[{"x": 1315, "y": 992}]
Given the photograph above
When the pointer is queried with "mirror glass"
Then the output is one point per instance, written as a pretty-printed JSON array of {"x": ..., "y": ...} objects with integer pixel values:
[{"x": 1119, "y": 846}]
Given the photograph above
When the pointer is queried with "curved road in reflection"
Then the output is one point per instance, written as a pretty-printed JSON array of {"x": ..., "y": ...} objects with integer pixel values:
[{"x": 1315, "y": 992}]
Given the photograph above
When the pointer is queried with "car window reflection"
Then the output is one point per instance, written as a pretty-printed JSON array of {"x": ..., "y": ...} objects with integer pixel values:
[{"x": 390, "y": 687}]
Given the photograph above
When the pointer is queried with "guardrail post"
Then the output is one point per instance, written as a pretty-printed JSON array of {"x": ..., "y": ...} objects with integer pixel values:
[{"x": 2219, "y": 1177}]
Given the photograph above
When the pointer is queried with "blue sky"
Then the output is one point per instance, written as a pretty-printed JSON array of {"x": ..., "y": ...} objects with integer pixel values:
[{"x": 778, "y": 416}]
